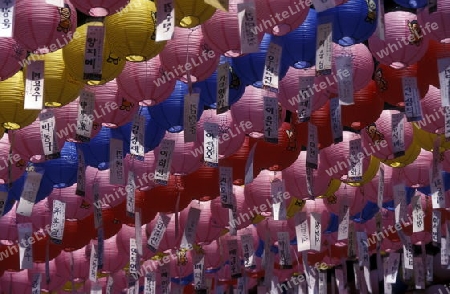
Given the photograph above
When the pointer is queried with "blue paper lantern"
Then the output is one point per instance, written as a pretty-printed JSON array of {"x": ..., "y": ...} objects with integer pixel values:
[
  {"x": 208, "y": 88},
  {"x": 353, "y": 22},
  {"x": 299, "y": 46},
  {"x": 169, "y": 114},
  {"x": 413, "y": 4},
  {"x": 8, "y": 204},
  {"x": 45, "y": 187},
  {"x": 250, "y": 67},
  {"x": 154, "y": 133}
]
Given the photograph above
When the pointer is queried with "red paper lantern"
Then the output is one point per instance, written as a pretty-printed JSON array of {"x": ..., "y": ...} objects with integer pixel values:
[
  {"x": 203, "y": 184},
  {"x": 322, "y": 120}
]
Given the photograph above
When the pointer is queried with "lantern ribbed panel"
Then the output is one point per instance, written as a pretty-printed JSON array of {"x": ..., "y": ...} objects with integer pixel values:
[
  {"x": 40, "y": 216},
  {"x": 8, "y": 225},
  {"x": 427, "y": 67},
  {"x": 73, "y": 54},
  {"x": 191, "y": 13},
  {"x": 442, "y": 19},
  {"x": 346, "y": 193},
  {"x": 238, "y": 161},
  {"x": 80, "y": 264},
  {"x": 18, "y": 164},
  {"x": 38, "y": 25},
  {"x": 417, "y": 173},
  {"x": 16, "y": 282},
  {"x": 123, "y": 239},
  {"x": 274, "y": 227},
  {"x": 203, "y": 184},
  {"x": 110, "y": 195},
  {"x": 212, "y": 259},
  {"x": 221, "y": 215},
  {"x": 169, "y": 239},
  {"x": 105, "y": 96},
  {"x": 138, "y": 82},
  {"x": 392, "y": 50},
  {"x": 11, "y": 54},
  {"x": 57, "y": 279},
  {"x": 132, "y": 32},
  {"x": 258, "y": 192},
  {"x": 59, "y": 87},
  {"x": 318, "y": 206},
  {"x": 76, "y": 207},
  {"x": 99, "y": 8},
  {"x": 124, "y": 113},
  {"x": 433, "y": 114},
  {"x": 12, "y": 114},
  {"x": 206, "y": 231}
]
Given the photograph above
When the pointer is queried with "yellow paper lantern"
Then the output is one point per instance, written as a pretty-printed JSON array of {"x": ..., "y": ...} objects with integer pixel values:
[
  {"x": 12, "y": 95},
  {"x": 411, "y": 154},
  {"x": 132, "y": 31},
  {"x": 59, "y": 87},
  {"x": 73, "y": 54},
  {"x": 369, "y": 174},
  {"x": 426, "y": 140},
  {"x": 191, "y": 13}
]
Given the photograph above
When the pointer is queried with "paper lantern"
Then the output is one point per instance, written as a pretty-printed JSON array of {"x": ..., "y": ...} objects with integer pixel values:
[
  {"x": 433, "y": 114},
  {"x": 292, "y": 16},
  {"x": 109, "y": 195},
  {"x": 12, "y": 114},
  {"x": 427, "y": 66},
  {"x": 76, "y": 207},
  {"x": 133, "y": 31},
  {"x": 99, "y": 8},
  {"x": 144, "y": 169},
  {"x": 73, "y": 54},
  {"x": 43, "y": 27},
  {"x": 212, "y": 259},
  {"x": 203, "y": 184},
  {"x": 80, "y": 262},
  {"x": 123, "y": 239},
  {"x": 353, "y": 22},
  {"x": 145, "y": 82},
  {"x": 12, "y": 54},
  {"x": 346, "y": 195},
  {"x": 169, "y": 114},
  {"x": 222, "y": 32},
  {"x": 122, "y": 112},
  {"x": 72, "y": 241},
  {"x": 16, "y": 162},
  {"x": 188, "y": 53},
  {"x": 370, "y": 189},
  {"x": 169, "y": 240},
  {"x": 112, "y": 221},
  {"x": 438, "y": 21},
  {"x": 417, "y": 173},
  {"x": 250, "y": 67},
  {"x": 427, "y": 140},
  {"x": 389, "y": 83},
  {"x": 57, "y": 280},
  {"x": 405, "y": 41},
  {"x": 16, "y": 282},
  {"x": 40, "y": 217},
  {"x": 318, "y": 206},
  {"x": 238, "y": 161},
  {"x": 8, "y": 224},
  {"x": 191, "y": 13}
]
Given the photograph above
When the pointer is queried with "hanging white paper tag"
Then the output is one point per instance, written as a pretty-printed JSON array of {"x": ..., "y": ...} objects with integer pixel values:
[
  {"x": 413, "y": 108},
  {"x": 248, "y": 31},
  {"x": 241, "y": 285},
  {"x": 85, "y": 120},
  {"x": 436, "y": 226},
  {"x": 248, "y": 251},
  {"x": 322, "y": 5},
  {"x": 190, "y": 228},
  {"x": 380, "y": 195},
  {"x": 133, "y": 257},
  {"x": 249, "y": 165},
  {"x": 339, "y": 274},
  {"x": 137, "y": 139},
  {"x": 380, "y": 32},
  {"x": 393, "y": 262},
  {"x": 211, "y": 144},
  {"x": 400, "y": 202},
  {"x": 162, "y": 172},
  {"x": 199, "y": 271},
  {"x": 98, "y": 217},
  {"x": 165, "y": 19},
  {"x": 336, "y": 120},
  {"x": 312, "y": 150},
  {"x": 323, "y": 282},
  {"x": 272, "y": 66},
  {"x": 235, "y": 265},
  {"x": 398, "y": 134},
  {"x": 25, "y": 245},
  {"x": 7, "y": 18},
  {"x": 351, "y": 250},
  {"x": 116, "y": 170},
  {"x": 444, "y": 251},
  {"x": 344, "y": 219},
  {"x": 29, "y": 192},
  {"x": 437, "y": 189},
  {"x": 93, "y": 263},
  {"x": 58, "y": 3},
  {"x": 284, "y": 250},
  {"x": 109, "y": 285},
  {"x": 165, "y": 279},
  {"x": 93, "y": 54},
  {"x": 226, "y": 186},
  {"x": 310, "y": 182},
  {"x": 138, "y": 233},
  {"x": 418, "y": 215},
  {"x": 233, "y": 217},
  {"x": 223, "y": 88},
  {"x": 47, "y": 124},
  {"x": 150, "y": 283},
  {"x": 36, "y": 283},
  {"x": 306, "y": 85},
  {"x": 355, "y": 173},
  {"x": 34, "y": 85},
  {"x": 277, "y": 189},
  {"x": 363, "y": 249},
  {"x": 387, "y": 286},
  {"x": 81, "y": 175},
  {"x": 3, "y": 199},
  {"x": 131, "y": 188},
  {"x": 429, "y": 267},
  {"x": 271, "y": 120},
  {"x": 58, "y": 219},
  {"x": 444, "y": 80},
  {"x": 316, "y": 231},
  {"x": 447, "y": 123},
  {"x": 96, "y": 288},
  {"x": 100, "y": 247},
  {"x": 419, "y": 273},
  {"x": 344, "y": 67},
  {"x": 190, "y": 116},
  {"x": 302, "y": 232},
  {"x": 158, "y": 232},
  {"x": 324, "y": 48},
  {"x": 408, "y": 261}
]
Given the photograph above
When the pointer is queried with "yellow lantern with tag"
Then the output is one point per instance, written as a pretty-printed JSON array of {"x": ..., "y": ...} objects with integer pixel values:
[
  {"x": 59, "y": 87},
  {"x": 426, "y": 139},
  {"x": 132, "y": 31},
  {"x": 80, "y": 62},
  {"x": 191, "y": 13},
  {"x": 13, "y": 116}
]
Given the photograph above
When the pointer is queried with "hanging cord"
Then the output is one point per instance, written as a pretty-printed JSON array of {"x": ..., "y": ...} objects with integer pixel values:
[{"x": 188, "y": 72}]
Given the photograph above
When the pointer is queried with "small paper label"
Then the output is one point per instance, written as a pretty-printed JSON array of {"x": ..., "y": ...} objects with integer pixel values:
[
  {"x": 116, "y": 170},
  {"x": 25, "y": 231},
  {"x": 211, "y": 144},
  {"x": 226, "y": 186},
  {"x": 3, "y": 199},
  {"x": 93, "y": 263},
  {"x": 398, "y": 134},
  {"x": 199, "y": 271},
  {"x": 165, "y": 279},
  {"x": 165, "y": 19},
  {"x": 137, "y": 139},
  {"x": 436, "y": 226},
  {"x": 387, "y": 272},
  {"x": 400, "y": 203},
  {"x": 235, "y": 264},
  {"x": 158, "y": 232},
  {"x": 316, "y": 231},
  {"x": 363, "y": 249},
  {"x": 58, "y": 219},
  {"x": 133, "y": 257},
  {"x": 47, "y": 123},
  {"x": 284, "y": 250},
  {"x": 393, "y": 262},
  {"x": 109, "y": 285},
  {"x": 93, "y": 54},
  {"x": 419, "y": 273},
  {"x": 85, "y": 120},
  {"x": 344, "y": 219},
  {"x": 162, "y": 172},
  {"x": 248, "y": 27},
  {"x": 272, "y": 66},
  {"x": 81, "y": 174},
  {"x": 344, "y": 64},
  {"x": 98, "y": 216},
  {"x": 137, "y": 228},
  {"x": 437, "y": 189},
  {"x": 306, "y": 85},
  {"x": 29, "y": 192},
  {"x": 223, "y": 88},
  {"x": 322, "y": 282},
  {"x": 36, "y": 283},
  {"x": 277, "y": 189},
  {"x": 248, "y": 251},
  {"x": 131, "y": 188},
  {"x": 302, "y": 232},
  {"x": 336, "y": 120},
  {"x": 324, "y": 48},
  {"x": 447, "y": 123},
  {"x": 351, "y": 250},
  {"x": 312, "y": 150},
  {"x": 355, "y": 173},
  {"x": 322, "y": 5},
  {"x": 380, "y": 32},
  {"x": 380, "y": 187},
  {"x": 190, "y": 117},
  {"x": 310, "y": 182},
  {"x": 413, "y": 108},
  {"x": 271, "y": 120},
  {"x": 150, "y": 283},
  {"x": 34, "y": 85},
  {"x": 190, "y": 228},
  {"x": 58, "y": 3},
  {"x": 7, "y": 18},
  {"x": 429, "y": 267},
  {"x": 444, "y": 80},
  {"x": 418, "y": 215},
  {"x": 249, "y": 165},
  {"x": 100, "y": 247}
]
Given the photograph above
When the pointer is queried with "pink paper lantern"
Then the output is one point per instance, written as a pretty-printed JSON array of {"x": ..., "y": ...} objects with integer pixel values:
[
  {"x": 370, "y": 189},
  {"x": 170, "y": 239},
  {"x": 76, "y": 207},
  {"x": 433, "y": 114},
  {"x": 144, "y": 170},
  {"x": 41, "y": 216},
  {"x": 112, "y": 261},
  {"x": 250, "y": 230},
  {"x": 289, "y": 96},
  {"x": 184, "y": 268},
  {"x": 146, "y": 82},
  {"x": 123, "y": 241},
  {"x": 80, "y": 271},
  {"x": 11, "y": 54},
  {"x": 231, "y": 137},
  {"x": 404, "y": 43},
  {"x": 8, "y": 225},
  {"x": 295, "y": 178},
  {"x": 123, "y": 113},
  {"x": 184, "y": 158},
  {"x": 99, "y": 8},
  {"x": 292, "y": 13},
  {"x": 109, "y": 195},
  {"x": 272, "y": 227},
  {"x": 318, "y": 206},
  {"x": 417, "y": 173},
  {"x": 212, "y": 259},
  {"x": 222, "y": 32},
  {"x": 57, "y": 280},
  {"x": 44, "y": 27},
  {"x": 17, "y": 163},
  {"x": 189, "y": 52},
  {"x": 16, "y": 282},
  {"x": 438, "y": 21},
  {"x": 346, "y": 195}
]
